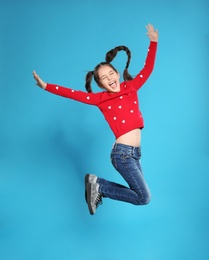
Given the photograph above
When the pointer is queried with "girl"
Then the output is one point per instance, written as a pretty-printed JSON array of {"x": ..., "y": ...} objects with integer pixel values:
[{"x": 119, "y": 104}]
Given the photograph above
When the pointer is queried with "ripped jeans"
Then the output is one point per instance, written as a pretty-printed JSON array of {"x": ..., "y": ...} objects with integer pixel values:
[{"x": 126, "y": 160}]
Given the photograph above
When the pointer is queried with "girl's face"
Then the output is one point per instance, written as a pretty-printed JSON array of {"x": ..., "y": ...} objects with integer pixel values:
[{"x": 109, "y": 79}]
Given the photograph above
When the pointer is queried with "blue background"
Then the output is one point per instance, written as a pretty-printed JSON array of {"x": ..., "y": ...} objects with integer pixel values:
[{"x": 48, "y": 143}]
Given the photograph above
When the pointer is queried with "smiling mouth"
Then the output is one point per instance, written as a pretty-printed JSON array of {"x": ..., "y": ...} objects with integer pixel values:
[{"x": 112, "y": 83}]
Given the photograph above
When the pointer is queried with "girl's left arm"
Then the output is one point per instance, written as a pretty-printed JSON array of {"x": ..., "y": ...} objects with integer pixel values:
[
  {"x": 152, "y": 33},
  {"x": 144, "y": 74}
]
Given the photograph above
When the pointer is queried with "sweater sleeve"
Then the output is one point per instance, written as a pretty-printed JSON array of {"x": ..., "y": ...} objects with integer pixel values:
[
  {"x": 144, "y": 74},
  {"x": 84, "y": 97}
]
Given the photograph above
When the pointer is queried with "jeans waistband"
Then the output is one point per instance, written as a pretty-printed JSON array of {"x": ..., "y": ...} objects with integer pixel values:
[{"x": 119, "y": 147}]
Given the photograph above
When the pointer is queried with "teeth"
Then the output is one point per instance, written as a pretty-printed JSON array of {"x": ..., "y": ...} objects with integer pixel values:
[{"x": 112, "y": 83}]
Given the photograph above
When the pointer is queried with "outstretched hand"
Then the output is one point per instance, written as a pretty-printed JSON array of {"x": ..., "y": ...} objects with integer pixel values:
[
  {"x": 152, "y": 33},
  {"x": 39, "y": 81}
]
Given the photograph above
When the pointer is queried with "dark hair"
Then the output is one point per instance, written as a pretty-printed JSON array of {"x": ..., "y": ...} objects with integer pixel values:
[{"x": 110, "y": 55}]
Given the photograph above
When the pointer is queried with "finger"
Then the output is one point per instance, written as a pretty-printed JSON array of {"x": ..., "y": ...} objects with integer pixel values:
[
  {"x": 35, "y": 75},
  {"x": 150, "y": 28}
]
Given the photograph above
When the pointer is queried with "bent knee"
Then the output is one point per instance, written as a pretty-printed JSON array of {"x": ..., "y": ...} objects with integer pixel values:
[{"x": 144, "y": 200}]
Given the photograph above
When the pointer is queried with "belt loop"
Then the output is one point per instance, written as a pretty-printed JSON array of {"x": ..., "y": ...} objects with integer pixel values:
[{"x": 132, "y": 150}]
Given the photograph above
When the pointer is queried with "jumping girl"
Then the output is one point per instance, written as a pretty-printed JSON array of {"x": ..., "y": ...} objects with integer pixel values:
[{"x": 119, "y": 104}]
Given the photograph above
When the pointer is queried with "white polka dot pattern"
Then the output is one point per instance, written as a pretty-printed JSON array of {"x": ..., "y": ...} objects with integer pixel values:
[{"x": 121, "y": 110}]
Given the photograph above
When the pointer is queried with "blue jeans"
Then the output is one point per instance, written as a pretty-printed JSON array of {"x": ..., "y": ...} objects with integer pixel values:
[{"x": 126, "y": 160}]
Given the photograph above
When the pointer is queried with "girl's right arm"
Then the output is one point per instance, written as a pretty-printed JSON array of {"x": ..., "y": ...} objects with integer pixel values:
[
  {"x": 81, "y": 96},
  {"x": 39, "y": 81}
]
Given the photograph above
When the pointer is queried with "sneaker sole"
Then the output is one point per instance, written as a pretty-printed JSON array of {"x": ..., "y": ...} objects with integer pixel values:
[
  {"x": 89, "y": 198},
  {"x": 86, "y": 181}
]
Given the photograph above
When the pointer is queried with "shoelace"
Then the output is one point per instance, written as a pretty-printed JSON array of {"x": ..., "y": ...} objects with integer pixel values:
[{"x": 98, "y": 200}]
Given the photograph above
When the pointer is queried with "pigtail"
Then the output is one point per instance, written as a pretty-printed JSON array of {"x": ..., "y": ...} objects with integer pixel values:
[
  {"x": 110, "y": 55},
  {"x": 89, "y": 76}
]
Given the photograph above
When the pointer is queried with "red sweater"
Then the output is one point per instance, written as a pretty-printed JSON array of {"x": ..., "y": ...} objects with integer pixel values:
[{"x": 121, "y": 110}]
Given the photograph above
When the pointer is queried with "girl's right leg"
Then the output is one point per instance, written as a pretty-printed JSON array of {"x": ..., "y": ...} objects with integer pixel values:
[{"x": 125, "y": 159}]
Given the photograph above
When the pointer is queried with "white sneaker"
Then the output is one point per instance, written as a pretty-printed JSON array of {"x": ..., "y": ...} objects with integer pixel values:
[
  {"x": 94, "y": 198},
  {"x": 89, "y": 178}
]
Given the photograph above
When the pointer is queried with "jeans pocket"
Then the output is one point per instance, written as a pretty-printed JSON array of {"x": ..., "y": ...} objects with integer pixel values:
[{"x": 125, "y": 156}]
